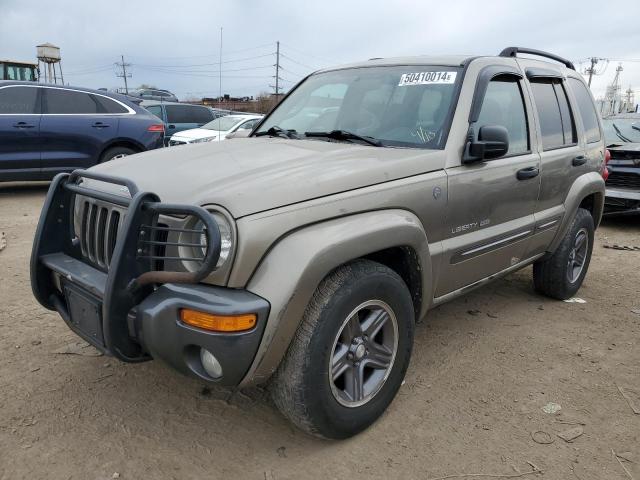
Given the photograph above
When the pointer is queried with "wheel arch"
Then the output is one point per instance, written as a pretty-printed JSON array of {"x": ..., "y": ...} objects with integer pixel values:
[
  {"x": 588, "y": 192},
  {"x": 121, "y": 142},
  {"x": 291, "y": 272}
]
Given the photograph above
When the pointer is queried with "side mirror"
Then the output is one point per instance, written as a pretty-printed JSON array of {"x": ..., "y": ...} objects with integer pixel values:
[
  {"x": 493, "y": 142},
  {"x": 239, "y": 134}
]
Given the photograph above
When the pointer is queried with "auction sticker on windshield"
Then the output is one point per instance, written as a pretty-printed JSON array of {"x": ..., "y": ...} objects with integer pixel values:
[{"x": 427, "y": 78}]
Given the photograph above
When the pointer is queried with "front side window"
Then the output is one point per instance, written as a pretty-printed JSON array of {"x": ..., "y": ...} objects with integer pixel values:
[
  {"x": 503, "y": 105},
  {"x": 70, "y": 102},
  {"x": 587, "y": 110},
  {"x": 19, "y": 100},
  {"x": 556, "y": 121},
  {"x": 401, "y": 106},
  {"x": 188, "y": 114}
]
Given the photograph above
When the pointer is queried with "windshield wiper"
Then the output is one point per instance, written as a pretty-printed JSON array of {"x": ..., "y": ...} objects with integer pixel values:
[
  {"x": 276, "y": 131},
  {"x": 345, "y": 135},
  {"x": 619, "y": 133}
]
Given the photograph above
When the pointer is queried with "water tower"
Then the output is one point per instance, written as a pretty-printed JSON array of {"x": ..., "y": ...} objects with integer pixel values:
[{"x": 49, "y": 55}]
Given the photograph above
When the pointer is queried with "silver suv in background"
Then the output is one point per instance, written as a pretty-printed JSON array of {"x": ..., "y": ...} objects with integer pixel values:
[
  {"x": 153, "y": 94},
  {"x": 303, "y": 255}
]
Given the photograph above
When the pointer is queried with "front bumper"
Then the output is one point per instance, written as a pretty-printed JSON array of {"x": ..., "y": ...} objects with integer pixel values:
[{"x": 129, "y": 310}]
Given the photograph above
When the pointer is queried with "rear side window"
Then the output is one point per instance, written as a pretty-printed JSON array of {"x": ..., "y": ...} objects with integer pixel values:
[
  {"x": 556, "y": 121},
  {"x": 503, "y": 105},
  {"x": 70, "y": 102},
  {"x": 586, "y": 109},
  {"x": 188, "y": 114},
  {"x": 109, "y": 106},
  {"x": 19, "y": 100}
]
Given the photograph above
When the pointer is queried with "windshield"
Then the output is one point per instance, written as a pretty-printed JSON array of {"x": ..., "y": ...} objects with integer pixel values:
[
  {"x": 223, "y": 124},
  {"x": 403, "y": 106},
  {"x": 619, "y": 130}
]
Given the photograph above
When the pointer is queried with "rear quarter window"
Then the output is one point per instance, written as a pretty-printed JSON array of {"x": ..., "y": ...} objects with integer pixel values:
[
  {"x": 587, "y": 110},
  {"x": 109, "y": 106}
]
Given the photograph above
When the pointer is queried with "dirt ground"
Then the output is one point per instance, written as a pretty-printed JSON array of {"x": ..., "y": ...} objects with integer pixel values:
[{"x": 483, "y": 368}]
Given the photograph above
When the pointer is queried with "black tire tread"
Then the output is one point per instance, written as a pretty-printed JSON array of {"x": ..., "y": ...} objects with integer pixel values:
[
  {"x": 287, "y": 384},
  {"x": 549, "y": 274}
]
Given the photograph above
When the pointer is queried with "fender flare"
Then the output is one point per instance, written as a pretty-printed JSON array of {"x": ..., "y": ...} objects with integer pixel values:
[
  {"x": 585, "y": 185},
  {"x": 294, "y": 267}
]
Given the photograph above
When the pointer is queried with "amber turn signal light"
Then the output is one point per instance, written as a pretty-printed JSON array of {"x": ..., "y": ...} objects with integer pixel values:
[{"x": 218, "y": 323}]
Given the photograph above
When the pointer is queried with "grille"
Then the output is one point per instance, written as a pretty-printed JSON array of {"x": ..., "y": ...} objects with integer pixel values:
[
  {"x": 624, "y": 180},
  {"x": 173, "y": 143},
  {"x": 98, "y": 231}
]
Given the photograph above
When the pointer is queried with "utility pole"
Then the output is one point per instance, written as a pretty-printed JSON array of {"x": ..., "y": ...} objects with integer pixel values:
[
  {"x": 277, "y": 68},
  {"x": 220, "y": 71},
  {"x": 277, "y": 75},
  {"x": 591, "y": 69},
  {"x": 123, "y": 74}
]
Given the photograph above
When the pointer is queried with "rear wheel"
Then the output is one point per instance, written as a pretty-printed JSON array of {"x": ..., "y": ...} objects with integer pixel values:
[
  {"x": 115, "y": 153},
  {"x": 350, "y": 353},
  {"x": 561, "y": 275}
]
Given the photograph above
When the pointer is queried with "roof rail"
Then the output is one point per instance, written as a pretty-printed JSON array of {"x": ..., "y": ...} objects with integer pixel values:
[{"x": 512, "y": 51}]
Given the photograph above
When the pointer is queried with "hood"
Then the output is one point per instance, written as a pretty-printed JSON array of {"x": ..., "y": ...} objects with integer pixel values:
[
  {"x": 195, "y": 133},
  {"x": 249, "y": 175}
]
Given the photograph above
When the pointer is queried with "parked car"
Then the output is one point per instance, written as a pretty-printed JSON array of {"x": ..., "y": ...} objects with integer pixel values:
[
  {"x": 303, "y": 256},
  {"x": 154, "y": 94},
  {"x": 216, "y": 130},
  {"x": 48, "y": 129},
  {"x": 181, "y": 116},
  {"x": 622, "y": 134}
]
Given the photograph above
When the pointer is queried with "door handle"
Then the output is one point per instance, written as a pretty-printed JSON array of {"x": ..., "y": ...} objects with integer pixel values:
[
  {"x": 526, "y": 173},
  {"x": 23, "y": 125},
  {"x": 100, "y": 125},
  {"x": 579, "y": 160},
  {"x": 171, "y": 126}
]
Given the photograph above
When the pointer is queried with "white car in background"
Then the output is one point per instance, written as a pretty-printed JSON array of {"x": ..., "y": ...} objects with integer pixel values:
[{"x": 216, "y": 130}]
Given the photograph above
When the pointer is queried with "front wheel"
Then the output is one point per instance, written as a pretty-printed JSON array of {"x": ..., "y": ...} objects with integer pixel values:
[
  {"x": 561, "y": 275},
  {"x": 350, "y": 353}
]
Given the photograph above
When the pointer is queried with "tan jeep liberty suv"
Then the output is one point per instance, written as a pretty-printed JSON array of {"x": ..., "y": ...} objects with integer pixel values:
[{"x": 302, "y": 256}]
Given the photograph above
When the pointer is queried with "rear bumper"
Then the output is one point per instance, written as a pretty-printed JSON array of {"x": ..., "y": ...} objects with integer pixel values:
[
  {"x": 129, "y": 310},
  {"x": 620, "y": 201}
]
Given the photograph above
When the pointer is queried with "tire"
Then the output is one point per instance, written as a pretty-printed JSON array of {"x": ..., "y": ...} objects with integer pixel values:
[
  {"x": 116, "y": 152},
  {"x": 553, "y": 276},
  {"x": 302, "y": 389}
]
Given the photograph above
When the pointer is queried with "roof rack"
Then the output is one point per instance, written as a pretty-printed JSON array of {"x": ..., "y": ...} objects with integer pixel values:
[{"x": 512, "y": 51}]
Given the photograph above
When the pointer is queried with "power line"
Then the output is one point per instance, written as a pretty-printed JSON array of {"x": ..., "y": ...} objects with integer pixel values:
[
  {"x": 206, "y": 64},
  {"x": 300, "y": 52},
  {"x": 209, "y": 55},
  {"x": 297, "y": 62}
]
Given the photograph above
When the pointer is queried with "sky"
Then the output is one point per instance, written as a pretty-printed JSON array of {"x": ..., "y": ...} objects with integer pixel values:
[{"x": 175, "y": 45}]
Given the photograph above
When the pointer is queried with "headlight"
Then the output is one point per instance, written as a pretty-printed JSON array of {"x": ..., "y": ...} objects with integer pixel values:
[
  {"x": 226, "y": 237},
  {"x": 205, "y": 139}
]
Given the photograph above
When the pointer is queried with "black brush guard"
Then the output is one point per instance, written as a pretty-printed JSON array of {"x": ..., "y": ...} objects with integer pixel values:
[{"x": 130, "y": 277}]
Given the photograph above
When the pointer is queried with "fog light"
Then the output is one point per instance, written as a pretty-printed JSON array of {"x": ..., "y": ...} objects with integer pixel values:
[{"x": 210, "y": 363}]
